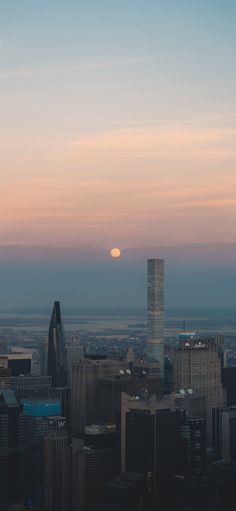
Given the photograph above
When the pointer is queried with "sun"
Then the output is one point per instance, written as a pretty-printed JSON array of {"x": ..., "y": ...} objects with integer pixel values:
[{"x": 115, "y": 252}]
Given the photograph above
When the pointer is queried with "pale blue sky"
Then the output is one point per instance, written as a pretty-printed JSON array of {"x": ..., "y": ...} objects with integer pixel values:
[{"x": 117, "y": 127}]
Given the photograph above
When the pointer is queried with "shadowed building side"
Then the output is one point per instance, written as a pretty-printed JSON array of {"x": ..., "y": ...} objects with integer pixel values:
[{"x": 57, "y": 361}]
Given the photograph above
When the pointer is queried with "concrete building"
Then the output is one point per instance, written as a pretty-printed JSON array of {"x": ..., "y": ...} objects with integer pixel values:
[
  {"x": 97, "y": 385},
  {"x": 57, "y": 467},
  {"x": 229, "y": 435},
  {"x": 74, "y": 352},
  {"x": 197, "y": 366},
  {"x": 75, "y": 475},
  {"x": 37, "y": 414},
  {"x": 151, "y": 441},
  {"x": 5, "y": 373},
  {"x": 155, "y": 312},
  {"x": 133, "y": 383},
  {"x": 224, "y": 433},
  {"x": 19, "y": 363},
  {"x": 84, "y": 389},
  {"x": 193, "y": 433},
  {"x": 31, "y": 387},
  {"x": 228, "y": 375},
  {"x": 13, "y": 451}
]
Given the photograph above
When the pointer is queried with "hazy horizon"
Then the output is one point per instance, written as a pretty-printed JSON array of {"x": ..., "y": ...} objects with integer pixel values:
[{"x": 118, "y": 128}]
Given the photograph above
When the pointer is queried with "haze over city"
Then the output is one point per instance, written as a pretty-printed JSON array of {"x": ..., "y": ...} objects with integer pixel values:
[{"x": 117, "y": 129}]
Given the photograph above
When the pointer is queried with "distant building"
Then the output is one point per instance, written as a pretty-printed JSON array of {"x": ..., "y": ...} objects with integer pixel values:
[
  {"x": 31, "y": 387},
  {"x": 63, "y": 395},
  {"x": 220, "y": 342},
  {"x": 228, "y": 375},
  {"x": 57, "y": 363},
  {"x": 86, "y": 374},
  {"x": 193, "y": 433},
  {"x": 229, "y": 435},
  {"x": 5, "y": 373},
  {"x": 19, "y": 363},
  {"x": 224, "y": 433},
  {"x": 74, "y": 352},
  {"x": 136, "y": 383},
  {"x": 155, "y": 312},
  {"x": 168, "y": 376},
  {"x": 195, "y": 406},
  {"x": 197, "y": 366}
]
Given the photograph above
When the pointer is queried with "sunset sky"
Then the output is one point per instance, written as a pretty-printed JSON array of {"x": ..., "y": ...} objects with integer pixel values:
[{"x": 118, "y": 128}]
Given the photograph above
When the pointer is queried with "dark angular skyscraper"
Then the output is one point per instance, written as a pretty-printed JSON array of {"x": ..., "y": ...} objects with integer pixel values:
[{"x": 57, "y": 364}]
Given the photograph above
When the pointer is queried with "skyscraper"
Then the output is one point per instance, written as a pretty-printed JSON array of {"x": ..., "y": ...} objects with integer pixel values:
[
  {"x": 13, "y": 450},
  {"x": 86, "y": 374},
  {"x": 74, "y": 352},
  {"x": 197, "y": 366},
  {"x": 155, "y": 312},
  {"x": 151, "y": 442},
  {"x": 57, "y": 364}
]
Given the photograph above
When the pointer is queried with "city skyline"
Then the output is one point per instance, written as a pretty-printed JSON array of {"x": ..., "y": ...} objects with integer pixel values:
[{"x": 117, "y": 255}]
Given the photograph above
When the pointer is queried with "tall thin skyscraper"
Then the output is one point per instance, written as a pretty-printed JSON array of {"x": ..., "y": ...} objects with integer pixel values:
[
  {"x": 57, "y": 362},
  {"x": 155, "y": 312}
]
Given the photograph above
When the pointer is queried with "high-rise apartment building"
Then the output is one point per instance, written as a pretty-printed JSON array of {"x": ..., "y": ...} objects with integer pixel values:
[
  {"x": 155, "y": 312},
  {"x": 57, "y": 363},
  {"x": 197, "y": 366}
]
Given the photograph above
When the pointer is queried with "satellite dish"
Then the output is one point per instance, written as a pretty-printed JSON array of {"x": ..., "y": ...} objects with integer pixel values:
[
  {"x": 144, "y": 372},
  {"x": 190, "y": 392},
  {"x": 121, "y": 371},
  {"x": 128, "y": 371},
  {"x": 137, "y": 398},
  {"x": 182, "y": 392}
]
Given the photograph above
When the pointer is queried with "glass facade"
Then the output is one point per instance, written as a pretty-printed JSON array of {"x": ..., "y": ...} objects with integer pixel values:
[{"x": 57, "y": 361}]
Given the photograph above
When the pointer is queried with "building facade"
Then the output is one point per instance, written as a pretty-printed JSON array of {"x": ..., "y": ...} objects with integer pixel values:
[
  {"x": 197, "y": 366},
  {"x": 155, "y": 312},
  {"x": 151, "y": 442},
  {"x": 57, "y": 362}
]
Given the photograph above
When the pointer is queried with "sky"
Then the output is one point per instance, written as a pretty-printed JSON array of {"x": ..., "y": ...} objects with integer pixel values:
[{"x": 117, "y": 128}]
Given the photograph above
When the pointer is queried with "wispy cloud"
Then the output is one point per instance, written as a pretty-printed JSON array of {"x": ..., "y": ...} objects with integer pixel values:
[
  {"x": 74, "y": 67},
  {"x": 158, "y": 143}
]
